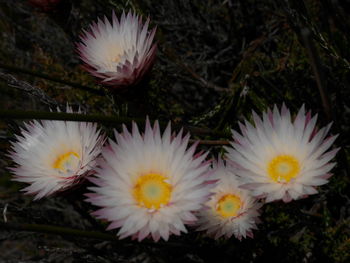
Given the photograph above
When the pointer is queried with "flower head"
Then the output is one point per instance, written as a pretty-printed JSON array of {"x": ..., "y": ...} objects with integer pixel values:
[
  {"x": 119, "y": 53},
  {"x": 280, "y": 158},
  {"x": 52, "y": 156},
  {"x": 149, "y": 185},
  {"x": 231, "y": 210}
]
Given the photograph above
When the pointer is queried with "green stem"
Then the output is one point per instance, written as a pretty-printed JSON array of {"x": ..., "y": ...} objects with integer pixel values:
[
  {"x": 62, "y": 116},
  {"x": 106, "y": 120},
  {"x": 53, "y": 79}
]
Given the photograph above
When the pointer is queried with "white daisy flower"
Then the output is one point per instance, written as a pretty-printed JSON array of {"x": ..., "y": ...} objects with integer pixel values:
[
  {"x": 119, "y": 53},
  {"x": 280, "y": 158},
  {"x": 52, "y": 156},
  {"x": 231, "y": 210},
  {"x": 149, "y": 185}
]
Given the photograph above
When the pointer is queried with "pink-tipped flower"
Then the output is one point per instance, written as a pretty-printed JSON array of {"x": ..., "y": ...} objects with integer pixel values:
[
  {"x": 149, "y": 185},
  {"x": 231, "y": 210},
  {"x": 53, "y": 156},
  {"x": 280, "y": 158},
  {"x": 118, "y": 53}
]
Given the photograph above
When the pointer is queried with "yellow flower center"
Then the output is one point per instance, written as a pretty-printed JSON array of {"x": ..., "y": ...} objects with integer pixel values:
[
  {"x": 116, "y": 59},
  {"x": 229, "y": 205},
  {"x": 283, "y": 168},
  {"x": 68, "y": 160},
  {"x": 115, "y": 52},
  {"x": 152, "y": 191}
]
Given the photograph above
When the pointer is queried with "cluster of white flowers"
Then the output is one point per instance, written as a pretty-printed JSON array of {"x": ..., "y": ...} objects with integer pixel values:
[{"x": 151, "y": 184}]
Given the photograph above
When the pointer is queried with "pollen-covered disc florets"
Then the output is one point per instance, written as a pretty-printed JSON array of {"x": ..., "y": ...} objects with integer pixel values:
[
  {"x": 149, "y": 185},
  {"x": 230, "y": 210},
  {"x": 280, "y": 158},
  {"x": 52, "y": 156},
  {"x": 118, "y": 53}
]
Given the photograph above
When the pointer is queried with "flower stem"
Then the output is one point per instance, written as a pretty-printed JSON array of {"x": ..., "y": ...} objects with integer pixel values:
[{"x": 106, "y": 120}]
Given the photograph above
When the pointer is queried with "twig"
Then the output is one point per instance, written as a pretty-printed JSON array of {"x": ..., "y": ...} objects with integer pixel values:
[
  {"x": 53, "y": 79},
  {"x": 22, "y": 85},
  {"x": 246, "y": 55},
  {"x": 296, "y": 18},
  {"x": 170, "y": 54},
  {"x": 107, "y": 120},
  {"x": 4, "y": 211},
  {"x": 317, "y": 69}
]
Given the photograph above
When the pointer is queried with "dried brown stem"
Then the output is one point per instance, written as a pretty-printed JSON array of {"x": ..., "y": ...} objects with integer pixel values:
[{"x": 317, "y": 69}]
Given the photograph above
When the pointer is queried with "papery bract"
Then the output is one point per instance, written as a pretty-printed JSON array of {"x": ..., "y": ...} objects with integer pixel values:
[
  {"x": 118, "y": 53},
  {"x": 53, "y": 156},
  {"x": 230, "y": 210},
  {"x": 149, "y": 185},
  {"x": 280, "y": 158}
]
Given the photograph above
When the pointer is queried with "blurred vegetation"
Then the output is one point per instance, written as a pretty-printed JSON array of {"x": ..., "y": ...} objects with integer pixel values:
[{"x": 217, "y": 61}]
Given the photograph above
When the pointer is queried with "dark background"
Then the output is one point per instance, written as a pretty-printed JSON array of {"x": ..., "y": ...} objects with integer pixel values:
[{"x": 216, "y": 62}]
